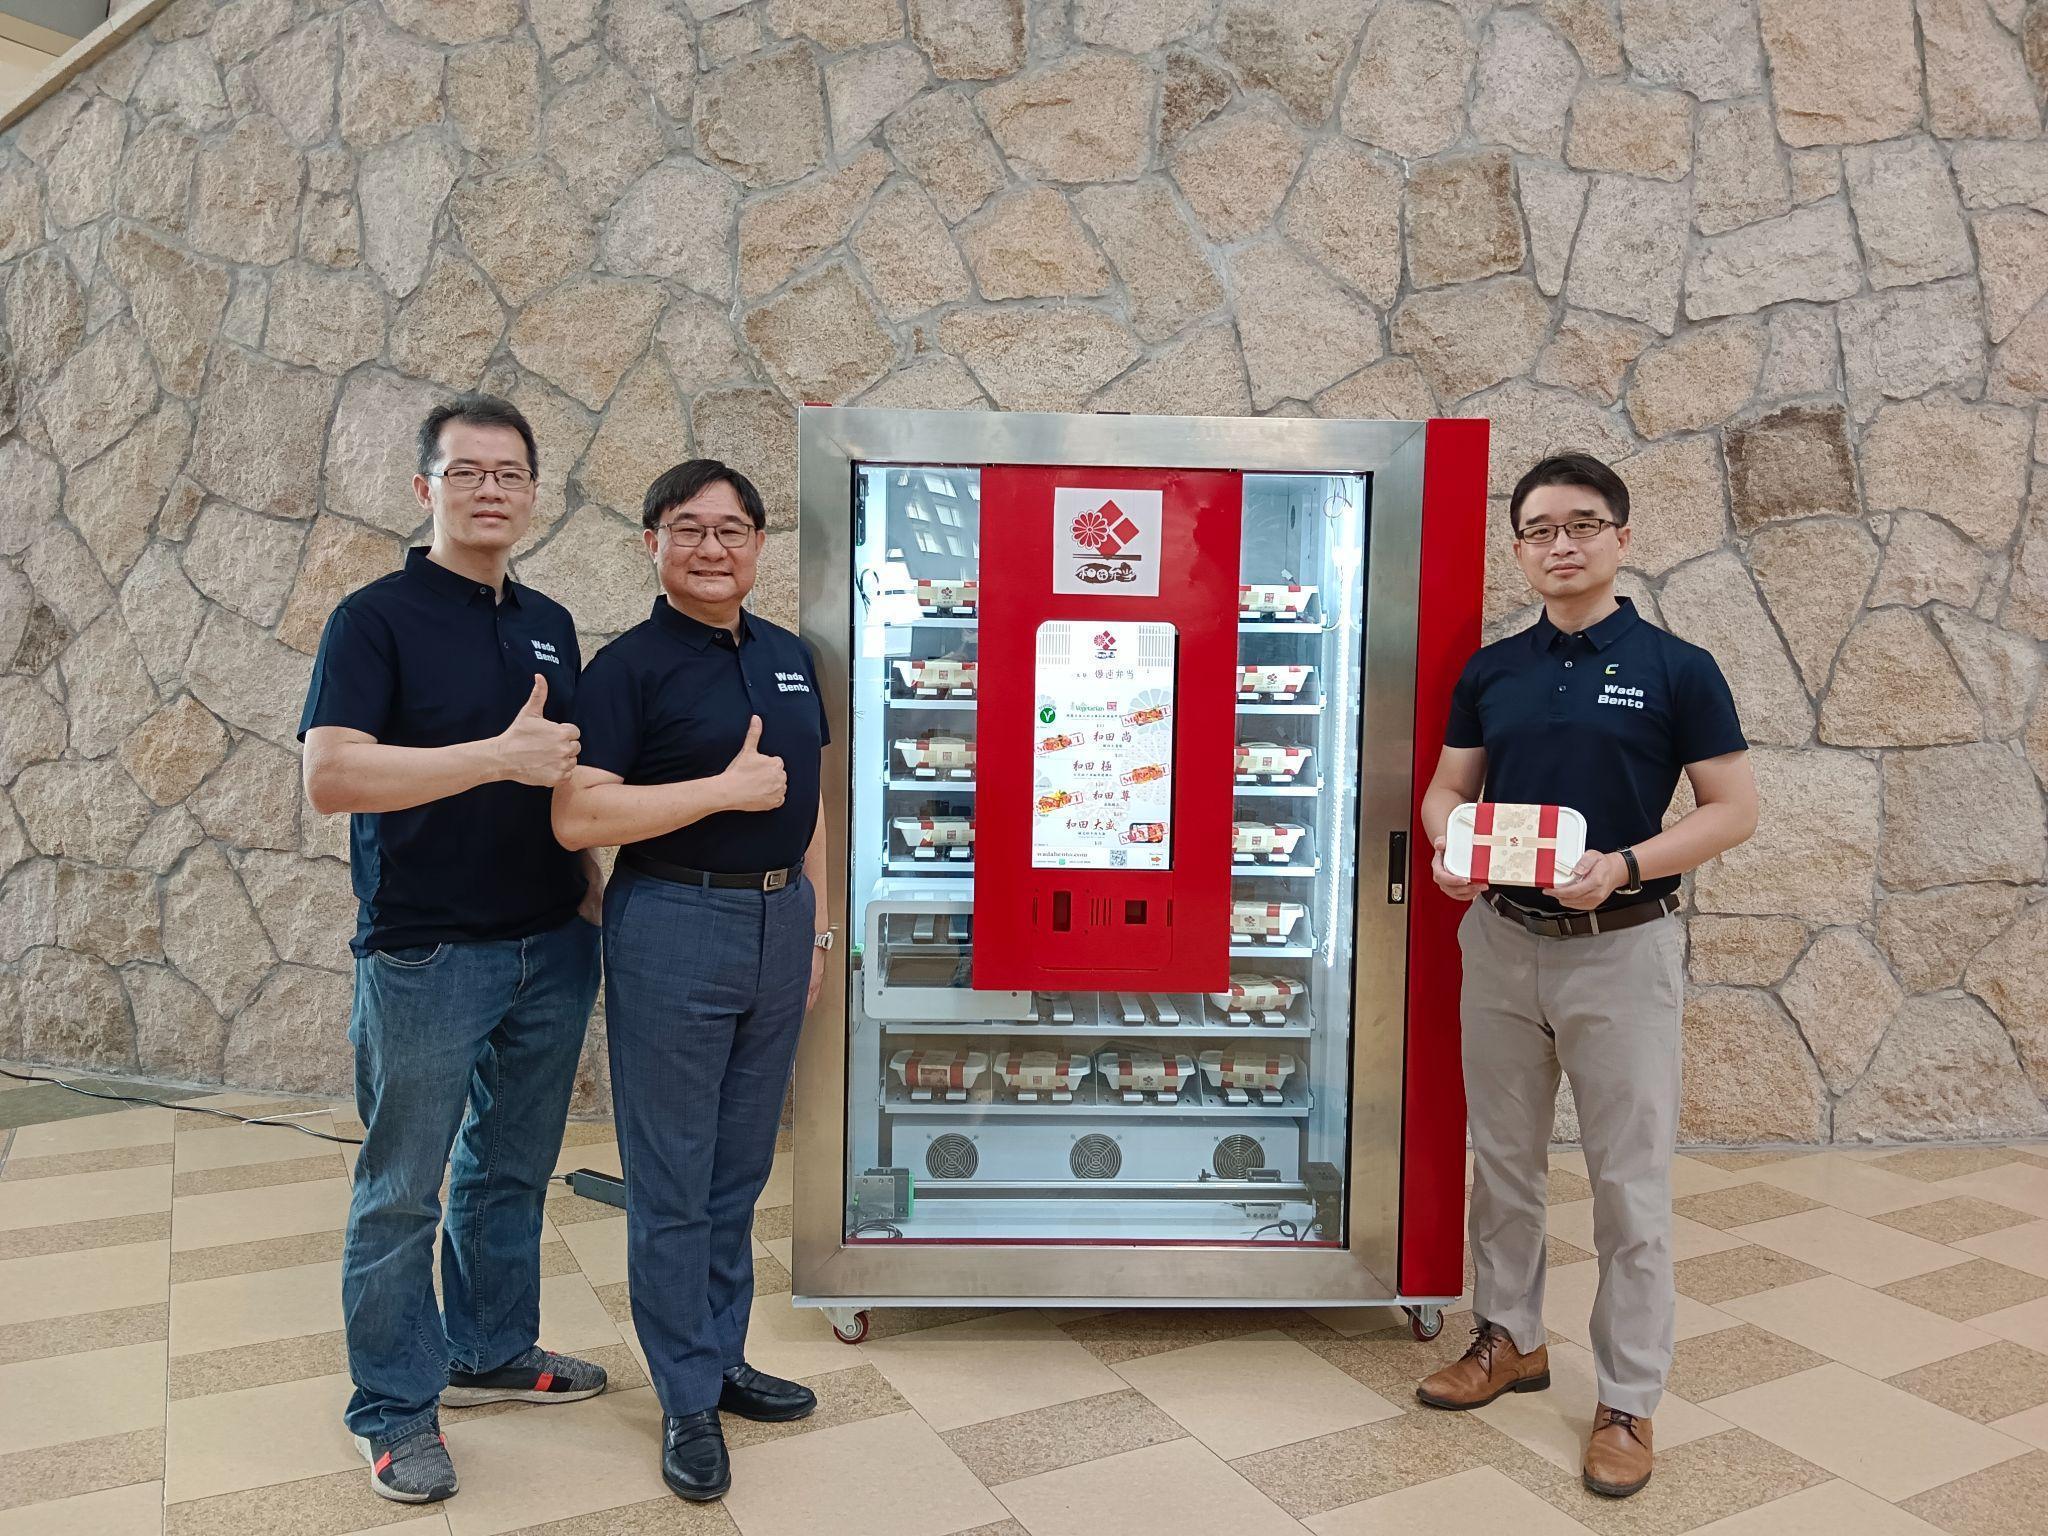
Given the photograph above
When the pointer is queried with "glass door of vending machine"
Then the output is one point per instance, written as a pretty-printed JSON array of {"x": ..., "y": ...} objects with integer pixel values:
[
  {"x": 1240, "y": 1140},
  {"x": 1217, "y": 1116}
]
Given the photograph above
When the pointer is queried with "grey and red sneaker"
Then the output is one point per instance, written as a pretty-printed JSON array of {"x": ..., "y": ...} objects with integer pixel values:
[
  {"x": 538, "y": 1376},
  {"x": 414, "y": 1469}
]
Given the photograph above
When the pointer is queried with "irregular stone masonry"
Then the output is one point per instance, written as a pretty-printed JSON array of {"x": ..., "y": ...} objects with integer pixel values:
[{"x": 1785, "y": 261}]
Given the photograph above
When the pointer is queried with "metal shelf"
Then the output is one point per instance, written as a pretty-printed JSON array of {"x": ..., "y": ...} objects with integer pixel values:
[
  {"x": 901, "y": 866},
  {"x": 1094, "y": 1100},
  {"x": 921, "y": 786},
  {"x": 1244, "y": 708},
  {"x": 896, "y": 701},
  {"x": 1272, "y": 951},
  {"x": 1295, "y": 791},
  {"x": 1240, "y": 870},
  {"x": 933, "y": 621},
  {"x": 1028, "y": 1035},
  {"x": 1278, "y": 627}
]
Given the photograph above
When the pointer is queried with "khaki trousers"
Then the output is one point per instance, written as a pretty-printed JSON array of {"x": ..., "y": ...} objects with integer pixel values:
[{"x": 1607, "y": 1010}]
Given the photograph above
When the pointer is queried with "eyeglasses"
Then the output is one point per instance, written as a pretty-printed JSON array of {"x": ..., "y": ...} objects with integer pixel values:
[
  {"x": 514, "y": 480},
  {"x": 690, "y": 535},
  {"x": 1578, "y": 529}
]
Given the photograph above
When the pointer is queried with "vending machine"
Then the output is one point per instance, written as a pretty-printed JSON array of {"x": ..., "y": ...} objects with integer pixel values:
[{"x": 1144, "y": 995}]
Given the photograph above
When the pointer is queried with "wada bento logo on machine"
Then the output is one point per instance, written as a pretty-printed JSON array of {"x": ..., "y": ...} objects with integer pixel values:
[{"x": 1107, "y": 541}]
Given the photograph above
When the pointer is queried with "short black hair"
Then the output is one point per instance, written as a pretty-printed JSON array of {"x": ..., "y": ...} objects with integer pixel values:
[
  {"x": 1580, "y": 469},
  {"x": 675, "y": 486},
  {"x": 478, "y": 411}
]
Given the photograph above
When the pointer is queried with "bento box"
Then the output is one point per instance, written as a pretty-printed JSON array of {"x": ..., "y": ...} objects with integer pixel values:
[
  {"x": 1273, "y": 599},
  {"x": 1254, "y": 996},
  {"x": 1238, "y": 1075},
  {"x": 1054, "y": 1074},
  {"x": 931, "y": 755},
  {"x": 1270, "y": 682},
  {"x": 1510, "y": 844},
  {"x": 1136, "y": 1073},
  {"x": 1271, "y": 761},
  {"x": 1272, "y": 922},
  {"x": 952, "y": 1073},
  {"x": 936, "y": 677},
  {"x": 927, "y": 836},
  {"x": 948, "y": 597},
  {"x": 1272, "y": 841}
]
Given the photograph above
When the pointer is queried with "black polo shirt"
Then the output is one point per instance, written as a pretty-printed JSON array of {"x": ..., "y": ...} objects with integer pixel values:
[
  {"x": 425, "y": 657},
  {"x": 669, "y": 700},
  {"x": 1602, "y": 721}
]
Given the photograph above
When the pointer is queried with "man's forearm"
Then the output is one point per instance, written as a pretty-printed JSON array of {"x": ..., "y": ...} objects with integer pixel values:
[
  {"x": 365, "y": 777},
  {"x": 1703, "y": 833},
  {"x": 612, "y": 815},
  {"x": 1437, "y": 805}
]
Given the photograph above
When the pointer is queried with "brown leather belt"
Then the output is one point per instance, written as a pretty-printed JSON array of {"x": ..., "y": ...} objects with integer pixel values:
[{"x": 1577, "y": 925}]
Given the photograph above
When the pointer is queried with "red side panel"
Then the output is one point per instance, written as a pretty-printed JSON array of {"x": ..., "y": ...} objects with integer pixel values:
[
  {"x": 1448, "y": 621},
  {"x": 1106, "y": 929}
]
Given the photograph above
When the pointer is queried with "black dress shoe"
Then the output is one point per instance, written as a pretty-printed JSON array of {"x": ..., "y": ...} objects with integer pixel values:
[
  {"x": 693, "y": 1459},
  {"x": 755, "y": 1394}
]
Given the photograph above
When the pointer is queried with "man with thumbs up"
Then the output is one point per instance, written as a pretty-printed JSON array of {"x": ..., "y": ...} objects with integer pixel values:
[
  {"x": 702, "y": 731},
  {"x": 439, "y": 718}
]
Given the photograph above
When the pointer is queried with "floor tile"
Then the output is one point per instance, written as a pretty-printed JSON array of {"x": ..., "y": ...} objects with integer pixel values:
[
  {"x": 1555, "y": 1424},
  {"x": 666, "y": 1516},
  {"x": 123, "y": 1128},
  {"x": 1249, "y": 1394},
  {"x": 76, "y": 1467},
  {"x": 1716, "y": 1364},
  {"x": 1852, "y": 1246},
  {"x": 88, "y": 1280},
  {"x": 2005, "y": 1500},
  {"x": 600, "y": 1249},
  {"x": 251, "y": 1215},
  {"x": 297, "y": 1170},
  {"x": 2025, "y": 1324},
  {"x": 1129, "y": 1333},
  {"x": 1392, "y": 1360},
  {"x": 248, "y": 1258},
  {"x": 1566, "y": 1186},
  {"x": 571, "y": 1316},
  {"x": 2030, "y": 1426},
  {"x": 1740, "y": 1204},
  {"x": 1176, "y": 1489},
  {"x": 1826, "y": 1509},
  {"x": 1881, "y": 1439},
  {"x": 780, "y": 1182},
  {"x": 234, "y": 1145},
  {"x": 1859, "y": 1327},
  {"x": 103, "y": 1160},
  {"x": 1354, "y": 1465},
  {"x": 1985, "y": 1384},
  {"x": 241, "y": 1366},
  {"x": 83, "y": 1332},
  {"x": 1689, "y": 1176},
  {"x": 1352, "y": 1322},
  {"x": 1703, "y": 1480},
  {"x": 1568, "y": 1305},
  {"x": 1937, "y": 1163},
  {"x": 882, "y": 1477},
  {"x": 262, "y": 1435},
  {"x": 990, "y": 1368},
  {"x": 598, "y": 1156},
  {"x": 1956, "y": 1219},
  {"x": 1689, "y": 1238},
  {"x": 1046, "y": 1439},
  {"x": 2023, "y": 1186},
  {"x": 253, "y": 1309},
  {"x": 137, "y": 1510},
  {"x": 1863, "y": 1189},
  {"x": 80, "y": 1397},
  {"x": 1970, "y": 1290},
  {"x": 1717, "y": 1277},
  {"x": 796, "y": 1342},
  {"x": 844, "y": 1397},
  {"x": 77, "y": 1236},
  {"x": 84, "y": 1197},
  {"x": 1478, "y": 1500},
  {"x": 1747, "y": 1159},
  {"x": 539, "y": 1464},
  {"x": 2019, "y": 1247}
]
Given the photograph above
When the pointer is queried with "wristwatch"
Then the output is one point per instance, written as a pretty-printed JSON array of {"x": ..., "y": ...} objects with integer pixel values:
[
  {"x": 822, "y": 940},
  {"x": 1635, "y": 874}
]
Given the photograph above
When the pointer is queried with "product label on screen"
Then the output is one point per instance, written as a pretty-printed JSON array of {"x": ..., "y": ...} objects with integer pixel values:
[
  {"x": 1106, "y": 541},
  {"x": 1102, "y": 746}
]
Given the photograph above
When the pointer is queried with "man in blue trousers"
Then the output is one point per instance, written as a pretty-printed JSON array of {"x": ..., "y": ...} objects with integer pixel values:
[{"x": 702, "y": 732}]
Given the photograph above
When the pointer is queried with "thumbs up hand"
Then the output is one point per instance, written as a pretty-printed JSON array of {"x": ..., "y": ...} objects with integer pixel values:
[
  {"x": 533, "y": 749},
  {"x": 754, "y": 782}
]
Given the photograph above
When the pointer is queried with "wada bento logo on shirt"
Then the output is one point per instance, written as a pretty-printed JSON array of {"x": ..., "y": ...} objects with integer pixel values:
[
  {"x": 1106, "y": 541},
  {"x": 792, "y": 682},
  {"x": 543, "y": 651}
]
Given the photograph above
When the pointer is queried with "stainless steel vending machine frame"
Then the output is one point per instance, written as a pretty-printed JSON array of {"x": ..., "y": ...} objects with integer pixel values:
[{"x": 848, "y": 1277}]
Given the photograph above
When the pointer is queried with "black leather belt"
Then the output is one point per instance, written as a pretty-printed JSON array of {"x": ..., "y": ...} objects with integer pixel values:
[
  {"x": 1577, "y": 925},
  {"x": 661, "y": 869}
]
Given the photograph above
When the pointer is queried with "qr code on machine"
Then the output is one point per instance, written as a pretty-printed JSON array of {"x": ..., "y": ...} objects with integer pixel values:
[{"x": 1118, "y": 858}]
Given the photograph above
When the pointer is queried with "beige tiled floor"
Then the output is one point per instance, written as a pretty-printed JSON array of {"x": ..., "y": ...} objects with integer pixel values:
[{"x": 1864, "y": 1348}]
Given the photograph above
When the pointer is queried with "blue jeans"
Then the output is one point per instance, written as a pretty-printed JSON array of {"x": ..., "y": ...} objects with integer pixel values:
[
  {"x": 704, "y": 998},
  {"x": 479, "y": 1039}
]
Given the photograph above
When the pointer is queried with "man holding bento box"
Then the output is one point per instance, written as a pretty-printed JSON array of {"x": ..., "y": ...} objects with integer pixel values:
[{"x": 1564, "y": 748}]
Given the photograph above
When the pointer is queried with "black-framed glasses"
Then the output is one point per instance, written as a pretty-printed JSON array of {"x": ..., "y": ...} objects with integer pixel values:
[
  {"x": 1579, "y": 529},
  {"x": 690, "y": 535},
  {"x": 473, "y": 479}
]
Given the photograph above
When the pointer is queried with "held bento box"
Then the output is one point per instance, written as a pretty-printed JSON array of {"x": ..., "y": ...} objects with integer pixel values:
[{"x": 1510, "y": 844}]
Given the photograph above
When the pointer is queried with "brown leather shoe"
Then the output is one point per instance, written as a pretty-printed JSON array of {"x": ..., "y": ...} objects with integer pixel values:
[
  {"x": 1489, "y": 1368},
  {"x": 1618, "y": 1456}
]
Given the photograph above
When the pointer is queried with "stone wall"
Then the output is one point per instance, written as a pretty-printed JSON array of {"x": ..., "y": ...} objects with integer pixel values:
[{"x": 1783, "y": 260}]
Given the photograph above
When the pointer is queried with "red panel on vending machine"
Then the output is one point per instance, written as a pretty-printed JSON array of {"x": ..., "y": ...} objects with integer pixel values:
[{"x": 1105, "y": 728}]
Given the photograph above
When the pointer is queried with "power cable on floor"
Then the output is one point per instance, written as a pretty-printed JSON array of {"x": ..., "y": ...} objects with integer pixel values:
[{"x": 193, "y": 1109}]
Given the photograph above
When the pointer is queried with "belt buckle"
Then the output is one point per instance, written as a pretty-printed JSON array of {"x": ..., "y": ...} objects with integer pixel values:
[{"x": 775, "y": 880}]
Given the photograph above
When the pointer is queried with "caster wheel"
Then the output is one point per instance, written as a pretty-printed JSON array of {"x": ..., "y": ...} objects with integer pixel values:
[
  {"x": 853, "y": 1332},
  {"x": 1425, "y": 1323}
]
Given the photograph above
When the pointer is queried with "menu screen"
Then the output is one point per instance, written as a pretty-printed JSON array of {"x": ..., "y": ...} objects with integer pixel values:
[{"x": 1102, "y": 746}]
